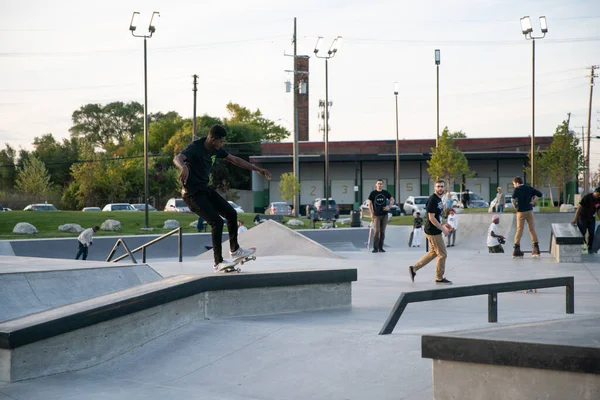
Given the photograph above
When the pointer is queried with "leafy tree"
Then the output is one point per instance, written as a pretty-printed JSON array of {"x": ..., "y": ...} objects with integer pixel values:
[
  {"x": 57, "y": 157},
  {"x": 8, "y": 170},
  {"x": 458, "y": 135},
  {"x": 289, "y": 186},
  {"x": 85, "y": 189},
  {"x": 447, "y": 161},
  {"x": 269, "y": 131},
  {"x": 108, "y": 126},
  {"x": 33, "y": 178},
  {"x": 563, "y": 161}
]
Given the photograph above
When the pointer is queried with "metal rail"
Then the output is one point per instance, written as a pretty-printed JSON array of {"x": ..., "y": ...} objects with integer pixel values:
[{"x": 144, "y": 246}]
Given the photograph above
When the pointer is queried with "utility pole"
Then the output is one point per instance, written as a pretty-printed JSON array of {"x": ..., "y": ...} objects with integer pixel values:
[
  {"x": 195, "y": 89},
  {"x": 568, "y": 120},
  {"x": 589, "y": 126},
  {"x": 582, "y": 152},
  {"x": 295, "y": 202}
]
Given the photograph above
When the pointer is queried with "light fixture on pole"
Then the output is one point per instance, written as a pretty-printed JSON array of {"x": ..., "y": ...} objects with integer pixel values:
[
  {"x": 151, "y": 30},
  {"x": 437, "y": 74},
  {"x": 333, "y": 49},
  {"x": 527, "y": 30},
  {"x": 397, "y": 183}
]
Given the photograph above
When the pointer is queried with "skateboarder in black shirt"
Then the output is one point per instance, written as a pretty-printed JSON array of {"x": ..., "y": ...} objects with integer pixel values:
[
  {"x": 195, "y": 163},
  {"x": 585, "y": 216}
]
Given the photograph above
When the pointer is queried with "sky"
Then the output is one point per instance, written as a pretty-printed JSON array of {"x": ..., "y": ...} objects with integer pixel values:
[{"x": 57, "y": 56}]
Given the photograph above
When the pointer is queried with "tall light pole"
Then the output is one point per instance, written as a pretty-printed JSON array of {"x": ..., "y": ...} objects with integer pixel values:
[
  {"x": 151, "y": 30},
  {"x": 437, "y": 74},
  {"x": 397, "y": 149},
  {"x": 333, "y": 49},
  {"x": 527, "y": 30}
]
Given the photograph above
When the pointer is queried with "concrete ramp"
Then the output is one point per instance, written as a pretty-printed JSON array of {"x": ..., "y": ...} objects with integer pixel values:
[
  {"x": 274, "y": 239},
  {"x": 26, "y": 293}
]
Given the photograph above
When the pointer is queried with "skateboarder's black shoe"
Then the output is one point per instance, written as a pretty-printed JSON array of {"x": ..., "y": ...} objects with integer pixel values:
[
  {"x": 443, "y": 281},
  {"x": 517, "y": 251},
  {"x": 382, "y": 250},
  {"x": 375, "y": 251},
  {"x": 412, "y": 273},
  {"x": 535, "y": 251}
]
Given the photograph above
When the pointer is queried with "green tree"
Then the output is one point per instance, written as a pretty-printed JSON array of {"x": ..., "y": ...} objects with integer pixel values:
[
  {"x": 268, "y": 129},
  {"x": 108, "y": 126},
  {"x": 458, "y": 135},
  {"x": 289, "y": 186},
  {"x": 563, "y": 160},
  {"x": 8, "y": 169},
  {"x": 57, "y": 157},
  {"x": 447, "y": 161},
  {"x": 33, "y": 178}
]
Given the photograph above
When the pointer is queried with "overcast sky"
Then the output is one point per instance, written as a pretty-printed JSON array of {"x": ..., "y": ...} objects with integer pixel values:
[{"x": 57, "y": 56}]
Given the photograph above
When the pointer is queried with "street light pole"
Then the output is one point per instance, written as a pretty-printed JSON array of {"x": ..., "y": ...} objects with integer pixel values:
[
  {"x": 397, "y": 149},
  {"x": 335, "y": 45},
  {"x": 437, "y": 72},
  {"x": 151, "y": 30},
  {"x": 527, "y": 30}
]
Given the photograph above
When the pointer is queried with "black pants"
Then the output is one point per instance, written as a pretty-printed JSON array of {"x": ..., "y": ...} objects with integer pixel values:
[
  {"x": 211, "y": 206},
  {"x": 380, "y": 223},
  {"x": 589, "y": 225},
  {"x": 83, "y": 250}
]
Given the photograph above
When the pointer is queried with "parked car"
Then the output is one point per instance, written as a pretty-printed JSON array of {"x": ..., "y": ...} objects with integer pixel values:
[
  {"x": 142, "y": 207},
  {"x": 91, "y": 209},
  {"x": 475, "y": 200},
  {"x": 177, "y": 205},
  {"x": 320, "y": 206},
  {"x": 508, "y": 201},
  {"x": 4, "y": 208},
  {"x": 40, "y": 207},
  {"x": 278, "y": 208},
  {"x": 364, "y": 210},
  {"x": 237, "y": 208},
  {"x": 119, "y": 207},
  {"x": 415, "y": 203}
]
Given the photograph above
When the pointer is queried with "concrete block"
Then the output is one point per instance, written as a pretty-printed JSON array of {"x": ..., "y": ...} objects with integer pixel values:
[
  {"x": 469, "y": 381},
  {"x": 566, "y": 253}
]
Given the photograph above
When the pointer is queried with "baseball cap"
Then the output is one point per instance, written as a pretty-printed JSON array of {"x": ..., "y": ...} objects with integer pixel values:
[{"x": 495, "y": 217}]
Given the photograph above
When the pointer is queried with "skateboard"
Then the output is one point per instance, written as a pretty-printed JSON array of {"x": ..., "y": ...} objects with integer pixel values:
[
  {"x": 410, "y": 238},
  {"x": 368, "y": 242},
  {"x": 530, "y": 291},
  {"x": 240, "y": 261}
]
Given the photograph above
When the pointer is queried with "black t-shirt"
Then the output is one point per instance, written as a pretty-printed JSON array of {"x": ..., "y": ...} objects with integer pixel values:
[
  {"x": 379, "y": 200},
  {"x": 589, "y": 206},
  {"x": 418, "y": 222},
  {"x": 435, "y": 206},
  {"x": 523, "y": 195},
  {"x": 200, "y": 161}
]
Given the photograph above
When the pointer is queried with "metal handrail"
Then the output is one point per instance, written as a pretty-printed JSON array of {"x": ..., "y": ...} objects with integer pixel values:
[{"x": 143, "y": 247}]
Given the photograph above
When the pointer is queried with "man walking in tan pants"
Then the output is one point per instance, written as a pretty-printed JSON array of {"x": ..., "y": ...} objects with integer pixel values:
[
  {"x": 523, "y": 199},
  {"x": 433, "y": 233}
]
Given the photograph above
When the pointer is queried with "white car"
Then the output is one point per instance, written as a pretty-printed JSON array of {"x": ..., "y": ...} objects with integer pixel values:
[
  {"x": 177, "y": 205},
  {"x": 237, "y": 208},
  {"x": 118, "y": 207},
  {"x": 85, "y": 209},
  {"x": 415, "y": 203}
]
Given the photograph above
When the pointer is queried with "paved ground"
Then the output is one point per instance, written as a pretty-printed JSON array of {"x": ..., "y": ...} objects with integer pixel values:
[{"x": 328, "y": 354}]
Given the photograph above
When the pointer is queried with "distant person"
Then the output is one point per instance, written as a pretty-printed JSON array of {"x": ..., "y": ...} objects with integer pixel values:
[
  {"x": 84, "y": 240},
  {"x": 585, "y": 216},
  {"x": 195, "y": 163},
  {"x": 453, "y": 222},
  {"x": 417, "y": 230},
  {"x": 379, "y": 207},
  {"x": 495, "y": 240},
  {"x": 241, "y": 226},
  {"x": 523, "y": 199},
  {"x": 466, "y": 198},
  {"x": 500, "y": 200},
  {"x": 200, "y": 226},
  {"x": 257, "y": 219},
  {"x": 448, "y": 202},
  {"x": 433, "y": 231}
]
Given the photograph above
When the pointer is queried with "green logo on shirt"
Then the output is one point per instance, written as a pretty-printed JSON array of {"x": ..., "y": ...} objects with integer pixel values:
[{"x": 213, "y": 158}]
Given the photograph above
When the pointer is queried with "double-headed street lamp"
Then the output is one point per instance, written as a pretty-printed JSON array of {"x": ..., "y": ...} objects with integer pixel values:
[
  {"x": 437, "y": 74},
  {"x": 151, "y": 30},
  {"x": 333, "y": 49},
  {"x": 527, "y": 30},
  {"x": 397, "y": 148}
]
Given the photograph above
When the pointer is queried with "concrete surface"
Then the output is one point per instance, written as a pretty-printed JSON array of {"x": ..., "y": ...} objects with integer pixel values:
[
  {"x": 23, "y": 293},
  {"x": 333, "y": 354}
]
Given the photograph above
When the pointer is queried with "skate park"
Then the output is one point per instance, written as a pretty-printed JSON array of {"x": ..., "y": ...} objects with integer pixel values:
[{"x": 278, "y": 346}]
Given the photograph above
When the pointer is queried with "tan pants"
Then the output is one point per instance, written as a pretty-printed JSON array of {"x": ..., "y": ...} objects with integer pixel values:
[
  {"x": 437, "y": 248},
  {"x": 521, "y": 218}
]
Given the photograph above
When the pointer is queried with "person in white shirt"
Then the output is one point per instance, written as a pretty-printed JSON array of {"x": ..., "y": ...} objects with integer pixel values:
[
  {"x": 85, "y": 240},
  {"x": 453, "y": 222},
  {"x": 493, "y": 238},
  {"x": 241, "y": 226}
]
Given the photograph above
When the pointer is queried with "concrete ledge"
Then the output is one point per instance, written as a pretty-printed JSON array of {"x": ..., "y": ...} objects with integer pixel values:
[
  {"x": 565, "y": 243},
  {"x": 553, "y": 359},
  {"x": 92, "y": 331},
  {"x": 566, "y": 253}
]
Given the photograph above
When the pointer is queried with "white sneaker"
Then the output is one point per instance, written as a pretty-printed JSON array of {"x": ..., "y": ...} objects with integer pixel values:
[
  {"x": 242, "y": 252},
  {"x": 223, "y": 265}
]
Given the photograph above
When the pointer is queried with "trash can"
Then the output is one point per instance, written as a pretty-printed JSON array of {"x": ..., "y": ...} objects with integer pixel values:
[{"x": 355, "y": 219}]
